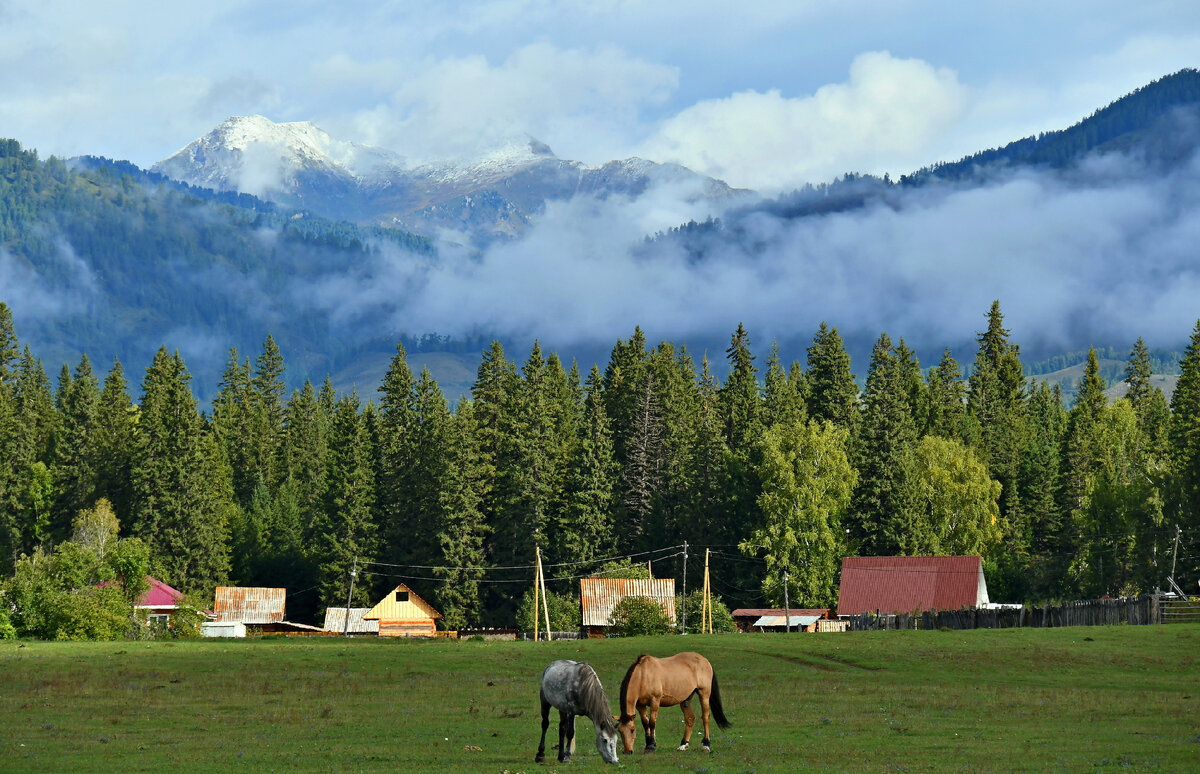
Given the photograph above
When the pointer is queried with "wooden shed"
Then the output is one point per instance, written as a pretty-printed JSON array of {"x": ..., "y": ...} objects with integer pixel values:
[
  {"x": 402, "y": 613},
  {"x": 598, "y": 597},
  {"x": 336, "y": 623},
  {"x": 762, "y": 619}
]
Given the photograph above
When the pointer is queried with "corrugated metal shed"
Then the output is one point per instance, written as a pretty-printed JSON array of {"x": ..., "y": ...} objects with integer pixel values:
[
  {"x": 600, "y": 595},
  {"x": 906, "y": 584},
  {"x": 335, "y": 621},
  {"x": 249, "y": 605}
]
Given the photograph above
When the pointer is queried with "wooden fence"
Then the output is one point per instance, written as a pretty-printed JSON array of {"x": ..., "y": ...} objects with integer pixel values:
[
  {"x": 1101, "y": 612},
  {"x": 1180, "y": 610}
]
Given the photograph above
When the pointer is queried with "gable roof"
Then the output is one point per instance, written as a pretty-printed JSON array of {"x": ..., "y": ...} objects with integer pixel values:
[
  {"x": 599, "y": 596},
  {"x": 159, "y": 595},
  {"x": 905, "y": 584},
  {"x": 388, "y": 609},
  {"x": 251, "y": 604}
]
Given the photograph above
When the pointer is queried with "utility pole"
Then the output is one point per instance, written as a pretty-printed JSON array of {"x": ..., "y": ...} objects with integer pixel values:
[
  {"x": 349, "y": 596},
  {"x": 537, "y": 571},
  {"x": 684, "y": 631},
  {"x": 787, "y": 608}
]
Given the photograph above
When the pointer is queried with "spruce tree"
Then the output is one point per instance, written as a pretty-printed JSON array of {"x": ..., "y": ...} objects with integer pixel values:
[
  {"x": 1184, "y": 437},
  {"x": 832, "y": 394},
  {"x": 462, "y": 529},
  {"x": 76, "y": 463},
  {"x": 181, "y": 494},
  {"x": 783, "y": 401},
  {"x": 398, "y": 461},
  {"x": 878, "y": 514},
  {"x": 113, "y": 442},
  {"x": 586, "y": 530},
  {"x": 947, "y": 393}
]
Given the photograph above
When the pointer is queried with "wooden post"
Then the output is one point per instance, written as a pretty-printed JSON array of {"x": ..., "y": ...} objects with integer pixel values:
[
  {"x": 537, "y": 572},
  {"x": 545, "y": 598},
  {"x": 683, "y": 628},
  {"x": 350, "y": 596},
  {"x": 706, "y": 622},
  {"x": 787, "y": 608}
]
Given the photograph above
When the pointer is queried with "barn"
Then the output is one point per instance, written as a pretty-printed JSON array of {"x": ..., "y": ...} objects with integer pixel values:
[
  {"x": 598, "y": 597},
  {"x": 909, "y": 584},
  {"x": 402, "y": 613}
]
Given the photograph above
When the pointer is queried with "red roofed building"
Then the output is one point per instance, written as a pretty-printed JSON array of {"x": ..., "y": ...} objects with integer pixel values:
[
  {"x": 158, "y": 603},
  {"x": 909, "y": 584}
]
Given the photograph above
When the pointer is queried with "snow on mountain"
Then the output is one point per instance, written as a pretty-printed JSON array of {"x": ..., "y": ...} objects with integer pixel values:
[{"x": 495, "y": 195}]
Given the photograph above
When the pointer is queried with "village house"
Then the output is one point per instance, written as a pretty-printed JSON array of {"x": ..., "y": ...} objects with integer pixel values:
[
  {"x": 402, "y": 613},
  {"x": 910, "y": 584}
]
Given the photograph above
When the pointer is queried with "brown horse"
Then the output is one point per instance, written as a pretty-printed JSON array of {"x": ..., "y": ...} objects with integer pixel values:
[{"x": 653, "y": 682}]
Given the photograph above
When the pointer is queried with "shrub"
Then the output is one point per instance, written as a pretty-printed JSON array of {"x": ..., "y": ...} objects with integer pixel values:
[
  {"x": 722, "y": 619},
  {"x": 639, "y": 616}
]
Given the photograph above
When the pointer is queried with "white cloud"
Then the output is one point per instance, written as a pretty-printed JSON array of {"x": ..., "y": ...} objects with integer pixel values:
[{"x": 577, "y": 101}]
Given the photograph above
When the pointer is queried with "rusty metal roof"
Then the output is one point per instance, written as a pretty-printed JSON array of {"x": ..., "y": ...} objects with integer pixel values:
[
  {"x": 906, "y": 584},
  {"x": 600, "y": 595},
  {"x": 251, "y": 604},
  {"x": 759, "y": 612},
  {"x": 335, "y": 621}
]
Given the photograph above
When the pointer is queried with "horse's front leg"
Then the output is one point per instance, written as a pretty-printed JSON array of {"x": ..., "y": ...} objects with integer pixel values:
[
  {"x": 566, "y": 736},
  {"x": 689, "y": 719},
  {"x": 644, "y": 714},
  {"x": 652, "y": 713},
  {"x": 541, "y": 753}
]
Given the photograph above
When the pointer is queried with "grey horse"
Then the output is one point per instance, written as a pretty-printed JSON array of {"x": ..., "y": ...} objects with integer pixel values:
[{"x": 574, "y": 689}]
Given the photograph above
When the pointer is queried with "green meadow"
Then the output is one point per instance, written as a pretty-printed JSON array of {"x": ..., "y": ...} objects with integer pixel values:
[{"x": 1079, "y": 699}]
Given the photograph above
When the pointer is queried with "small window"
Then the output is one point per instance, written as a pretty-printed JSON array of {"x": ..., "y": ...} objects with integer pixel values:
[{"x": 401, "y": 596}]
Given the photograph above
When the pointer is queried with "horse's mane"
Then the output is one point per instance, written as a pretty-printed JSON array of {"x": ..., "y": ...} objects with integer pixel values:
[
  {"x": 594, "y": 699},
  {"x": 625, "y": 683}
]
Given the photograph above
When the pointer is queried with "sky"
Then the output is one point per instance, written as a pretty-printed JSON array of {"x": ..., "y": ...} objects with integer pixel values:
[{"x": 764, "y": 95}]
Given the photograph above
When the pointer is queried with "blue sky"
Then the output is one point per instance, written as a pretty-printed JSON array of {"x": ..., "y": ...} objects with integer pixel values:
[{"x": 767, "y": 95}]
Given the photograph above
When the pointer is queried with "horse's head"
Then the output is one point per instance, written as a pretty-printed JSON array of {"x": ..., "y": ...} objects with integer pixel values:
[
  {"x": 606, "y": 743},
  {"x": 625, "y": 728}
]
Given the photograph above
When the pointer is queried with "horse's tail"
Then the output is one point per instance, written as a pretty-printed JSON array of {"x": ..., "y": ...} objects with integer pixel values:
[{"x": 714, "y": 704}]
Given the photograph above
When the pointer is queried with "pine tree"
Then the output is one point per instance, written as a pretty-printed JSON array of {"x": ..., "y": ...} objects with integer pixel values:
[
  {"x": 1082, "y": 458},
  {"x": 783, "y": 400},
  {"x": 1184, "y": 437},
  {"x": 833, "y": 396},
  {"x": 947, "y": 401},
  {"x": 878, "y": 511},
  {"x": 707, "y": 522},
  {"x": 113, "y": 442},
  {"x": 624, "y": 389},
  {"x": 10, "y": 346},
  {"x": 398, "y": 459},
  {"x": 76, "y": 463},
  {"x": 462, "y": 529},
  {"x": 233, "y": 423},
  {"x": 996, "y": 410},
  {"x": 267, "y": 390},
  {"x": 346, "y": 528},
  {"x": 586, "y": 530},
  {"x": 181, "y": 494},
  {"x": 1148, "y": 401}
]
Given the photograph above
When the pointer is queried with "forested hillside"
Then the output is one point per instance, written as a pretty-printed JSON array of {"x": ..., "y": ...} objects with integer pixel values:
[
  {"x": 116, "y": 262},
  {"x": 780, "y": 469}
]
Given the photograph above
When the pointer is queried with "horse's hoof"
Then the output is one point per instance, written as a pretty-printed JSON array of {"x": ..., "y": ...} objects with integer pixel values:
[
  {"x": 539, "y": 758},
  {"x": 706, "y": 748},
  {"x": 683, "y": 746},
  {"x": 651, "y": 748}
]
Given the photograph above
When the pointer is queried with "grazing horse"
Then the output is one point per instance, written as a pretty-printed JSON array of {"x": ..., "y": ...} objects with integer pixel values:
[
  {"x": 574, "y": 689},
  {"x": 653, "y": 682}
]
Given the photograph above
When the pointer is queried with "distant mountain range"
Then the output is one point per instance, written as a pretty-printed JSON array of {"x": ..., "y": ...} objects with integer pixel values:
[
  {"x": 495, "y": 196},
  {"x": 261, "y": 228}
]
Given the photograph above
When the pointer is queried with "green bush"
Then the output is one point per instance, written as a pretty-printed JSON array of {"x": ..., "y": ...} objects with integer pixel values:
[
  {"x": 639, "y": 616},
  {"x": 722, "y": 618},
  {"x": 565, "y": 613}
]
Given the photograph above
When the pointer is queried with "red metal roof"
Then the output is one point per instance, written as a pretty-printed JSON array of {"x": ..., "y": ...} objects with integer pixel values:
[
  {"x": 906, "y": 584},
  {"x": 159, "y": 595}
]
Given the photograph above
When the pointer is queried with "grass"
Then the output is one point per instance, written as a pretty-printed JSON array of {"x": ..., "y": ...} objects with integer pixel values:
[{"x": 1095, "y": 699}]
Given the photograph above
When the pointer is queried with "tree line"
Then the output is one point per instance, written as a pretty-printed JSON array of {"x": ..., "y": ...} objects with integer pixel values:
[{"x": 780, "y": 469}]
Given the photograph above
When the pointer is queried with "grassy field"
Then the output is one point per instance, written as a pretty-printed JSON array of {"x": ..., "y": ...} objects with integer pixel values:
[{"x": 1094, "y": 699}]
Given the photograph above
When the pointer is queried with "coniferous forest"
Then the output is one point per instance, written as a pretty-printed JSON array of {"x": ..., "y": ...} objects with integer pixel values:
[{"x": 779, "y": 470}]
